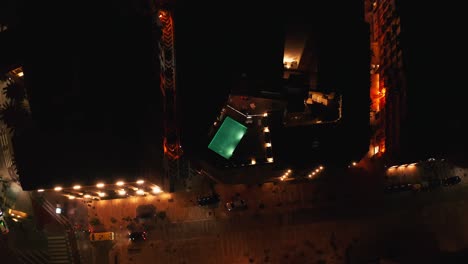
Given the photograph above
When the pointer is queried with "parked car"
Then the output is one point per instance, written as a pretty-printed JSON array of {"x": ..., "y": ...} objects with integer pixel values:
[
  {"x": 208, "y": 200},
  {"x": 235, "y": 205},
  {"x": 452, "y": 181},
  {"x": 137, "y": 236},
  {"x": 396, "y": 188}
]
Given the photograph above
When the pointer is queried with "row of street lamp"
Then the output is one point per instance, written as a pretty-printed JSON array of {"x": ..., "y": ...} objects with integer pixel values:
[{"x": 121, "y": 188}]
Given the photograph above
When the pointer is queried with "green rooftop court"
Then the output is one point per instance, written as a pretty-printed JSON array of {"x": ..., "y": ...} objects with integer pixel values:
[{"x": 227, "y": 137}]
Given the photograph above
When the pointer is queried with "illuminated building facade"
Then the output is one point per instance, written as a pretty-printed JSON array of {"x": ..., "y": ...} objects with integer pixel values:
[
  {"x": 388, "y": 87},
  {"x": 412, "y": 51}
]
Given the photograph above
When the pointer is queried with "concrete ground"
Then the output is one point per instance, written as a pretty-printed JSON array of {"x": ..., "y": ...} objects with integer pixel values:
[{"x": 298, "y": 223}]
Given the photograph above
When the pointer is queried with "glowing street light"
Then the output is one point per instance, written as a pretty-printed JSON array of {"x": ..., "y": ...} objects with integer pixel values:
[
  {"x": 120, "y": 183},
  {"x": 156, "y": 190}
]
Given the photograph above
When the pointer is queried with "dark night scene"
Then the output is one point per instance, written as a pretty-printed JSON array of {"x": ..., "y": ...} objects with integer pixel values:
[{"x": 232, "y": 132}]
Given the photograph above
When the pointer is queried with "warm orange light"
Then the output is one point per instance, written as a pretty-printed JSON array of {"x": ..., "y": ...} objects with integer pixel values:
[
  {"x": 120, "y": 183},
  {"x": 382, "y": 150},
  {"x": 156, "y": 190}
]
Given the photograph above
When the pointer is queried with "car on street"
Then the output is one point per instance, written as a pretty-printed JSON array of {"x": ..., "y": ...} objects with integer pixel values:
[
  {"x": 137, "y": 236},
  {"x": 208, "y": 200},
  {"x": 236, "y": 205},
  {"x": 452, "y": 181}
]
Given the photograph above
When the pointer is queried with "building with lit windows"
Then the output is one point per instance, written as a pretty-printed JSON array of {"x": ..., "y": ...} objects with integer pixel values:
[
  {"x": 415, "y": 110},
  {"x": 388, "y": 86},
  {"x": 320, "y": 97}
]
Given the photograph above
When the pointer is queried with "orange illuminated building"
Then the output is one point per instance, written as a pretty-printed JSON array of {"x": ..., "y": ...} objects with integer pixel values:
[{"x": 388, "y": 86}]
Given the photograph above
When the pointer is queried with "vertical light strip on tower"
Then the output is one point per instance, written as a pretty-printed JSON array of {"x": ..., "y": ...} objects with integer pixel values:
[{"x": 171, "y": 143}]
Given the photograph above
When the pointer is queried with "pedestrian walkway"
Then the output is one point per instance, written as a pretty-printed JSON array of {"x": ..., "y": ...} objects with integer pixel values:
[
  {"x": 32, "y": 256},
  {"x": 59, "y": 250},
  {"x": 59, "y": 217},
  {"x": 59, "y": 229}
]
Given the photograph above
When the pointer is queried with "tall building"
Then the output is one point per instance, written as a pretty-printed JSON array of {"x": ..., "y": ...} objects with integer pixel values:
[
  {"x": 334, "y": 60},
  {"x": 388, "y": 86},
  {"x": 415, "y": 110},
  {"x": 324, "y": 80}
]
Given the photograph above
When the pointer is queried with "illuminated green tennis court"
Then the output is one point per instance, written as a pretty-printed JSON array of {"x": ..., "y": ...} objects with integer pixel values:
[{"x": 227, "y": 138}]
